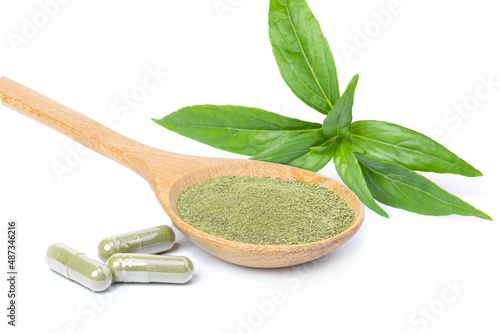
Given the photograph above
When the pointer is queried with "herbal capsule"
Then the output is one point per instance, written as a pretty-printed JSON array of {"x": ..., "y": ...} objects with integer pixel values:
[
  {"x": 79, "y": 267},
  {"x": 145, "y": 268},
  {"x": 152, "y": 240}
]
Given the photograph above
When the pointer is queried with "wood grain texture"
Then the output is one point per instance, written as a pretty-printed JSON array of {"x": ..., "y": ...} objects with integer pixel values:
[{"x": 169, "y": 174}]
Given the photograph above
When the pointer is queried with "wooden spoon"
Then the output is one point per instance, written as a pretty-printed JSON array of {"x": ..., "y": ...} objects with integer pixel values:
[{"x": 169, "y": 174}]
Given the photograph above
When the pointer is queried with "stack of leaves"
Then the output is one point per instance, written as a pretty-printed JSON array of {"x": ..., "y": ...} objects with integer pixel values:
[{"x": 375, "y": 159}]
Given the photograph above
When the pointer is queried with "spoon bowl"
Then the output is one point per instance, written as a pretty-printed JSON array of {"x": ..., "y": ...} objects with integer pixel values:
[{"x": 170, "y": 174}]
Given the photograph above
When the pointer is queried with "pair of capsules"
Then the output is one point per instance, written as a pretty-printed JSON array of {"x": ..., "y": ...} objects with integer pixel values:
[{"x": 128, "y": 259}]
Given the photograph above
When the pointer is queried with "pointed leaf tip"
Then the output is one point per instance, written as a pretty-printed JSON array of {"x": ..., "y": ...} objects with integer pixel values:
[{"x": 339, "y": 119}]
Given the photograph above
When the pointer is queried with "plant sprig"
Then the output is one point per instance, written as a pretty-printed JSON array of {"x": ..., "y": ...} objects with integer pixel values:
[{"x": 375, "y": 159}]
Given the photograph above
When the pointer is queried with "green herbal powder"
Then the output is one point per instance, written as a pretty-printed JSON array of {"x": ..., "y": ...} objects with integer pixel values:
[{"x": 264, "y": 210}]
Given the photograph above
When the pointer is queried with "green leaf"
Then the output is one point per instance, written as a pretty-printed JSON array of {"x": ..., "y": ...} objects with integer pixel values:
[
  {"x": 353, "y": 147},
  {"x": 297, "y": 151},
  {"x": 303, "y": 54},
  {"x": 350, "y": 171},
  {"x": 338, "y": 120},
  {"x": 237, "y": 129},
  {"x": 402, "y": 188},
  {"x": 332, "y": 146},
  {"x": 393, "y": 143}
]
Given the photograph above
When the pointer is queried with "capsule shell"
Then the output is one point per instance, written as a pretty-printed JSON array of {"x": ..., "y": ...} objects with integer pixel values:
[
  {"x": 145, "y": 268},
  {"x": 79, "y": 267},
  {"x": 152, "y": 240}
]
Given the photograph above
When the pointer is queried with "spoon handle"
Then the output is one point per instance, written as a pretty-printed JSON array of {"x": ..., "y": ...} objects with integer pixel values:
[{"x": 80, "y": 128}]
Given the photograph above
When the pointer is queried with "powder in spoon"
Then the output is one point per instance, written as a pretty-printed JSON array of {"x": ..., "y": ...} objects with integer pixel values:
[{"x": 264, "y": 210}]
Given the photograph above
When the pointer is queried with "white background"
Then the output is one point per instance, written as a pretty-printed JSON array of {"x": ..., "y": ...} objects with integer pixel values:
[{"x": 430, "y": 57}]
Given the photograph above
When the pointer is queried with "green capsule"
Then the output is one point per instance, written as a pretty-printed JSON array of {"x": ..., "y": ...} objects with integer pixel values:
[
  {"x": 145, "y": 268},
  {"x": 79, "y": 267},
  {"x": 152, "y": 240}
]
